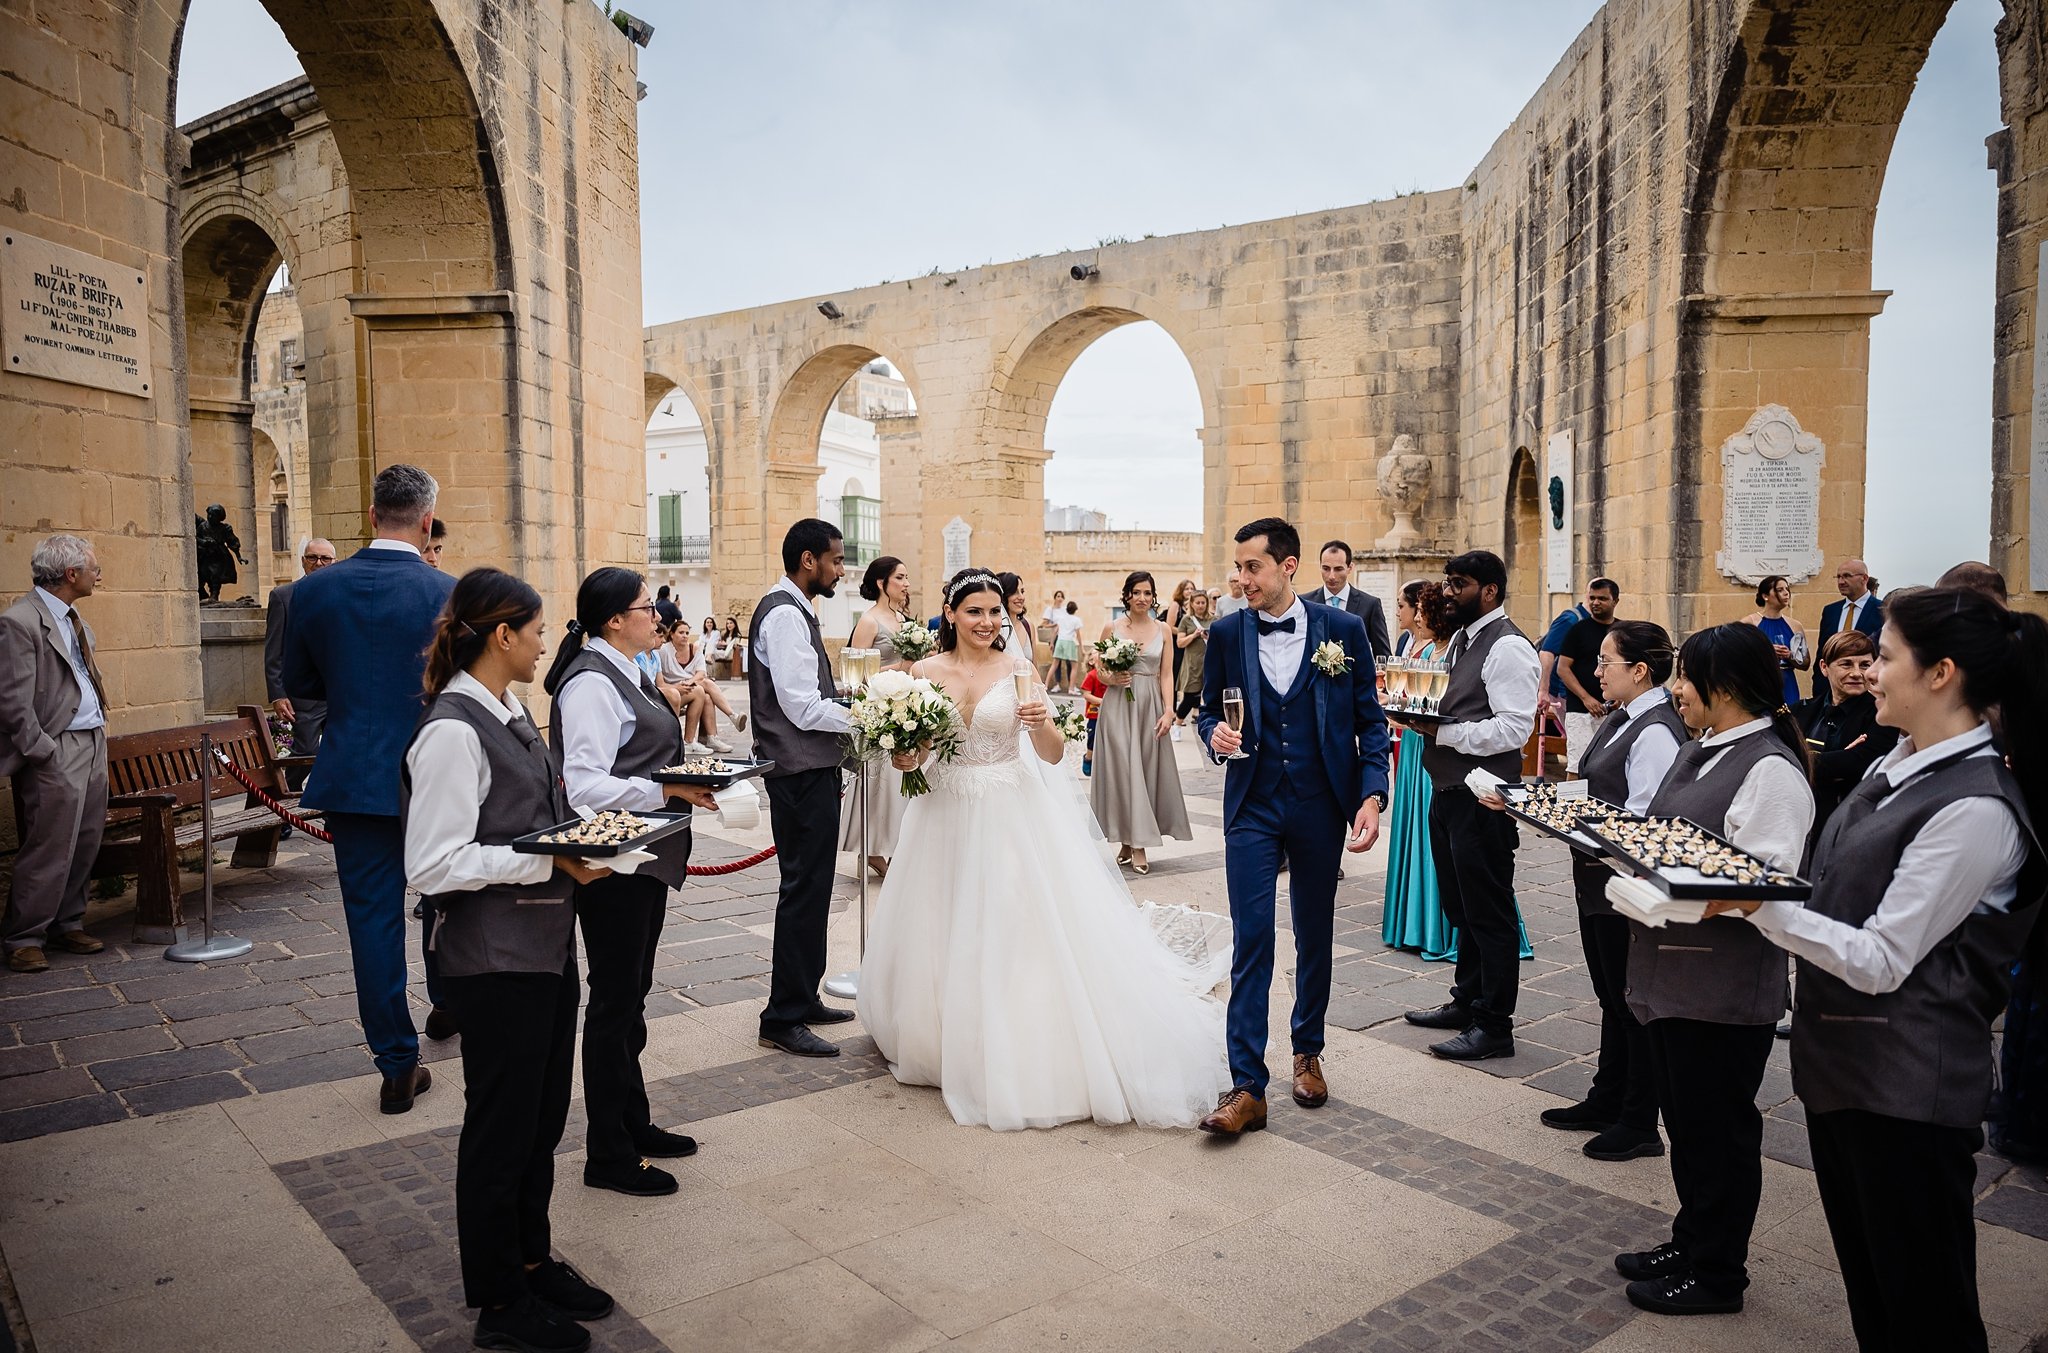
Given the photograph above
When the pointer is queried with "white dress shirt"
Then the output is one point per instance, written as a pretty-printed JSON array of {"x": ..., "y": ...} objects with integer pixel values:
[
  {"x": 594, "y": 721},
  {"x": 1850, "y": 610},
  {"x": 451, "y": 778},
  {"x": 89, "y": 714},
  {"x": 1773, "y": 810},
  {"x": 1513, "y": 676},
  {"x": 1651, "y": 754},
  {"x": 1966, "y": 859},
  {"x": 1339, "y": 599},
  {"x": 792, "y": 660},
  {"x": 1280, "y": 653},
  {"x": 380, "y": 543}
]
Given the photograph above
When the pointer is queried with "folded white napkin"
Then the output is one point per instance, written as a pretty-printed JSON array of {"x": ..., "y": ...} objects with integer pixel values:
[
  {"x": 739, "y": 805},
  {"x": 1483, "y": 782},
  {"x": 1645, "y": 902},
  {"x": 624, "y": 863}
]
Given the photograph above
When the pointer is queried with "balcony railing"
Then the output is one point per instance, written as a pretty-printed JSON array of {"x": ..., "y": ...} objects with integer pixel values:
[{"x": 679, "y": 549}]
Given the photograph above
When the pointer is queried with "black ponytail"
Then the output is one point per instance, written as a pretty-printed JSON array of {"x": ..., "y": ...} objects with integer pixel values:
[
  {"x": 606, "y": 593},
  {"x": 1737, "y": 663}
]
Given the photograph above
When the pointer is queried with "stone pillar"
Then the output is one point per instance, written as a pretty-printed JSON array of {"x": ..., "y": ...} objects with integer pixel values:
[{"x": 903, "y": 499}]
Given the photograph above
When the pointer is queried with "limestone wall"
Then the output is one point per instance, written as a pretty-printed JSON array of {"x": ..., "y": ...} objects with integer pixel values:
[{"x": 1090, "y": 567}]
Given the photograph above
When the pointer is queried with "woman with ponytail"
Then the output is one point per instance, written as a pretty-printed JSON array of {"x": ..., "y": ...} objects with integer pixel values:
[
  {"x": 475, "y": 777},
  {"x": 1710, "y": 995},
  {"x": 1926, "y": 884},
  {"x": 612, "y": 731}
]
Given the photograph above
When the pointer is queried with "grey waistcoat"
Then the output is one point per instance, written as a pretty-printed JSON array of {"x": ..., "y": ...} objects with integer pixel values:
[
  {"x": 1604, "y": 763},
  {"x": 505, "y": 927},
  {"x": 1922, "y": 1052},
  {"x": 792, "y": 749},
  {"x": 1465, "y": 700},
  {"x": 656, "y": 741},
  {"x": 1722, "y": 970}
]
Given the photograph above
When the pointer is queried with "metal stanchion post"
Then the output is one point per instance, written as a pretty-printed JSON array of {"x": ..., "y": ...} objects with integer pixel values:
[
  {"x": 227, "y": 946},
  {"x": 846, "y": 985}
]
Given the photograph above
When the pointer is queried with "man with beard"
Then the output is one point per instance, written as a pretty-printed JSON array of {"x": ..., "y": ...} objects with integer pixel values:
[{"x": 1489, "y": 706}]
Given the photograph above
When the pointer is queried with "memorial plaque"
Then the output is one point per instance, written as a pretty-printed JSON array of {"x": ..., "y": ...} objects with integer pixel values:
[
  {"x": 2037, "y": 457},
  {"x": 1557, "y": 505},
  {"x": 72, "y": 316},
  {"x": 1770, "y": 499},
  {"x": 957, "y": 534}
]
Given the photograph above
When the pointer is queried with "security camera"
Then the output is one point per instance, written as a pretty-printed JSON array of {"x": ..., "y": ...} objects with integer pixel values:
[
  {"x": 829, "y": 310},
  {"x": 1081, "y": 272}
]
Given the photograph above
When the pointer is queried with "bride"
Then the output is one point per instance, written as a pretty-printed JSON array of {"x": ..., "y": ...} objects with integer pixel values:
[{"x": 1007, "y": 963}]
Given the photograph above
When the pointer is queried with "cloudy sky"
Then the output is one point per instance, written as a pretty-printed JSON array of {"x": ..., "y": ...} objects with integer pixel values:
[{"x": 806, "y": 146}]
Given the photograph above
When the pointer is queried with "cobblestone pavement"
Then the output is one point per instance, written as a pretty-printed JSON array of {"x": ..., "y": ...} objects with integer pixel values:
[{"x": 193, "y": 1155}]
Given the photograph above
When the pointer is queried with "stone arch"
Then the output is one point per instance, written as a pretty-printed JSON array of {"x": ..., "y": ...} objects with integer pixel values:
[
  {"x": 800, "y": 406},
  {"x": 1522, "y": 541},
  {"x": 1029, "y": 368}
]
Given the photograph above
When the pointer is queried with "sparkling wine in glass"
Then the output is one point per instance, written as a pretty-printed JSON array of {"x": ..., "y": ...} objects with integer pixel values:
[
  {"x": 1233, "y": 714},
  {"x": 1024, "y": 683}
]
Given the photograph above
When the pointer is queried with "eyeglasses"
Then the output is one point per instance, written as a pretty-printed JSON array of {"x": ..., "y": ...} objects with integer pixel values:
[
  {"x": 649, "y": 608},
  {"x": 1605, "y": 661},
  {"x": 317, "y": 558}
]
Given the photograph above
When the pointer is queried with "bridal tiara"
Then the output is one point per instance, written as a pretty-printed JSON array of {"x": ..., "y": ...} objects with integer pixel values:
[{"x": 961, "y": 583}]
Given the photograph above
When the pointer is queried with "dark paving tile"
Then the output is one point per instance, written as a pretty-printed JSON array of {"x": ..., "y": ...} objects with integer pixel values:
[
  {"x": 70, "y": 1000},
  {"x": 2016, "y": 1208},
  {"x": 253, "y": 996},
  {"x": 61, "y": 1116},
  {"x": 24, "y": 1060},
  {"x": 301, "y": 1042},
  {"x": 1358, "y": 1010},
  {"x": 164, "y": 1066},
  {"x": 724, "y": 993},
  {"x": 120, "y": 1043},
  {"x": 237, "y": 1024},
  {"x": 339, "y": 1064},
  {"x": 170, "y": 1096},
  {"x": 104, "y": 1020},
  {"x": 41, "y": 1087},
  {"x": 182, "y": 979}
]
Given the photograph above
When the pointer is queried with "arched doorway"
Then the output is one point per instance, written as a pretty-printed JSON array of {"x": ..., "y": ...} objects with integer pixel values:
[
  {"x": 679, "y": 527},
  {"x": 1523, "y": 541}
]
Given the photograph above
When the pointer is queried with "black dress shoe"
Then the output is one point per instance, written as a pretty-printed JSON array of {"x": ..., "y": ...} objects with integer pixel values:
[
  {"x": 798, "y": 1042},
  {"x": 1475, "y": 1045},
  {"x": 1784, "y": 1030},
  {"x": 664, "y": 1145},
  {"x": 1681, "y": 1294},
  {"x": 441, "y": 1025},
  {"x": 640, "y": 1180},
  {"x": 1667, "y": 1260},
  {"x": 1582, "y": 1117},
  {"x": 399, "y": 1091},
  {"x": 563, "y": 1288},
  {"x": 530, "y": 1326},
  {"x": 1449, "y": 1015},
  {"x": 825, "y": 1014},
  {"x": 1622, "y": 1142}
]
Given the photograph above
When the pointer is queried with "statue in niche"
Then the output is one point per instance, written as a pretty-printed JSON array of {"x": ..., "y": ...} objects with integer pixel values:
[
  {"x": 1403, "y": 475},
  {"x": 220, "y": 549}
]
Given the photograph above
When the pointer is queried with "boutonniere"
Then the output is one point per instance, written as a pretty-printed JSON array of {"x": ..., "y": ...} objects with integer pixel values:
[{"x": 1331, "y": 659}]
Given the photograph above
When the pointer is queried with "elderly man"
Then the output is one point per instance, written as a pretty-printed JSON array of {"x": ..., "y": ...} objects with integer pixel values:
[
  {"x": 305, "y": 716},
  {"x": 53, "y": 741},
  {"x": 1859, "y": 609}
]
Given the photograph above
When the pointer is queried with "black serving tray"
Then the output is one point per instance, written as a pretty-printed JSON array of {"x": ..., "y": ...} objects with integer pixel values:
[
  {"x": 1585, "y": 844},
  {"x": 1415, "y": 716},
  {"x": 665, "y": 824},
  {"x": 738, "y": 770},
  {"x": 1679, "y": 881}
]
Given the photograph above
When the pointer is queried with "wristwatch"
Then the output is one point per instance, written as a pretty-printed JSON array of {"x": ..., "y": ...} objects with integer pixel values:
[{"x": 1381, "y": 796}]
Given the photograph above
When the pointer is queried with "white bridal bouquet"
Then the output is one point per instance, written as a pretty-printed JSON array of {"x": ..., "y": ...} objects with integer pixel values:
[
  {"x": 915, "y": 641},
  {"x": 897, "y": 712},
  {"x": 1072, "y": 721},
  {"x": 1117, "y": 654}
]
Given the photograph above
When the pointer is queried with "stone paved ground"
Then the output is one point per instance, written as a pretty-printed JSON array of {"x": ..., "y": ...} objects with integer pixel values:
[{"x": 193, "y": 1157}]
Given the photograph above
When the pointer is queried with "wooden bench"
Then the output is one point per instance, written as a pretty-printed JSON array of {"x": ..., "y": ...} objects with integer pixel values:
[{"x": 154, "y": 788}]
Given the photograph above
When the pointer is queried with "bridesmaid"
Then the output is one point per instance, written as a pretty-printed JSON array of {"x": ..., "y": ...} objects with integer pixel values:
[
  {"x": 1412, "y": 917},
  {"x": 887, "y": 585},
  {"x": 1135, "y": 788}
]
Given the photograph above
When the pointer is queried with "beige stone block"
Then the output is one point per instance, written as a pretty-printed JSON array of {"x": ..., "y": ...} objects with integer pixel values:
[
  {"x": 967, "y": 1270},
  {"x": 1255, "y": 1276},
  {"x": 852, "y": 1199},
  {"x": 1109, "y": 1316},
  {"x": 297, "y": 1124},
  {"x": 685, "y": 1249},
  {"x": 787, "y": 1311}
]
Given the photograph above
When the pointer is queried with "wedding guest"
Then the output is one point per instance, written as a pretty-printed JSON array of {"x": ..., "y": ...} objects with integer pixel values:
[
  {"x": 53, "y": 742},
  {"x": 1193, "y": 642},
  {"x": 1337, "y": 591},
  {"x": 306, "y": 717},
  {"x": 1018, "y": 637},
  {"x": 358, "y": 639},
  {"x": 1066, "y": 647},
  {"x": 681, "y": 677},
  {"x": 1056, "y": 607},
  {"x": 798, "y": 726},
  {"x": 612, "y": 731},
  {"x": 1577, "y": 658},
  {"x": 1978, "y": 576},
  {"x": 1490, "y": 708},
  {"x": 1710, "y": 994},
  {"x": 1233, "y": 597},
  {"x": 1092, "y": 691},
  {"x": 1858, "y": 611},
  {"x": 1625, "y": 763},
  {"x": 1135, "y": 789},
  {"x": 1787, "y": 636},
  {"x": 475, "y": 777},
  {"x": 1843, "y": 735},
  {"x": 665, "y": 609},
  {"x": 437, "y": 540},
  {"x": 1552, "y": 700},
  {"x": 732, "y": 649},
  {"x": 1176, "y": 607},
  {"x": 1926, "y": 885},
  {"x": 886, "y": 585}
]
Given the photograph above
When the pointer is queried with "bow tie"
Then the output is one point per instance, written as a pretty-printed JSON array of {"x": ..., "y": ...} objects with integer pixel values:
[{"x": 1277, "y": 626}]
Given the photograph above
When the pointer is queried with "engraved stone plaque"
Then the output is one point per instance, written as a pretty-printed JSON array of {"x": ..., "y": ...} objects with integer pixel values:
[
  {"x": 1557, "y": 507},
  {"x": 1770, "y": 499},
  {"x": 72, "y": 316},
  {"x": 957, "y": 535}
]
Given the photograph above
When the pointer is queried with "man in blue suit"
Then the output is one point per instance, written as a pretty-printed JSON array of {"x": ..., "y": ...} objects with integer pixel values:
[
  {"x": 1306, "y": 775},
  {"x": 358, "y": 640},
  {"x": 1859, "y": 609}
]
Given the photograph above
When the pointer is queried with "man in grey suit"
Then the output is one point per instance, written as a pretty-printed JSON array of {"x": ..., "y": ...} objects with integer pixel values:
[
  {"x": 305, "y": 716},
  {"x": 1337, "y": 591},
  {"x": 53, "y": 741}
]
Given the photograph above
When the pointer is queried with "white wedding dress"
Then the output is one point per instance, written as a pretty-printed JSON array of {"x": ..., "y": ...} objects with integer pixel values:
[{"x": 1008, "y": 965}]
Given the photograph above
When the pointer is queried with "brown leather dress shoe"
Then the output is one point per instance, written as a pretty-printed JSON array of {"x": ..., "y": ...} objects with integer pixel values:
[
  {"x": 28, "y": 958},
  {"x": 1311, "y": 1091},
  {"x": 75, "y": 942},
  {"x": 398, "y": 1092},
  {"x": 1239, "y": 1111}
]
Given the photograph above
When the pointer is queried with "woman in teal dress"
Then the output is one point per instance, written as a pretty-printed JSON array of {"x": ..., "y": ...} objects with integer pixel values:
[{"x": 1413, "y": 915}]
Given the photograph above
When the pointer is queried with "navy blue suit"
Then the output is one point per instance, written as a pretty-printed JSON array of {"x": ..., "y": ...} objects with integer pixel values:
[
  {"x": 1315, "y": 751},
  {"x": 358, "y": 640}
]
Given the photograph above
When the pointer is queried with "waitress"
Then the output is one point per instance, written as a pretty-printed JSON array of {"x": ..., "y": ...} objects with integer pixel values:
[
  {"x": 1625, "y": 764},
  {"x": 613, "y": 730},
  {"x": 475, "y": 777},
  {"x": 1709, "y": 995},
  {"x": 1927, "y": 882}
]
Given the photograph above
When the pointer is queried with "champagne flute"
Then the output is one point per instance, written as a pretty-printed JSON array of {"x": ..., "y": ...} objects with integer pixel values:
[
  {"x": 1024, "y": 684},
  {"x": 1233, "y": 714}
]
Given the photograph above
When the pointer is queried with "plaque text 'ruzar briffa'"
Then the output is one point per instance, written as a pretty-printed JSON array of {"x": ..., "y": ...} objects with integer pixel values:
[
  {"x": 72, "y": 316},
  {"x": 1770, "y": 499}
]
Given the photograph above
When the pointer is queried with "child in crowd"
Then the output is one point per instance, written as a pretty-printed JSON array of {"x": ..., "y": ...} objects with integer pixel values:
[{"x": 1092, "y": 691}]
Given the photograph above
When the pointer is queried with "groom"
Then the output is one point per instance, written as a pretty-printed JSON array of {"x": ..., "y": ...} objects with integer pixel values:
[{"x": 1315, "y": 773}]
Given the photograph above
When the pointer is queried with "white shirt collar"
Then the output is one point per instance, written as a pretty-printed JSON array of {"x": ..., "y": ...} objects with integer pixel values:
[
  {"x": 1737, "y": 733},
  {"x": 505, "y": 710},
  {"x": 1339, "y": 597},
  {"x": 1647, "y": 701},
  {"x": 789, "y": 585},
  {"x": 1903, "y": 762},
  {"x": 617, "y": 659},
  {"x": 1298, "y": 613},
  {"x": 1471, "y": 631},
  {"x": 59, "y": 609},
  {"x": 380, "y": 543}
]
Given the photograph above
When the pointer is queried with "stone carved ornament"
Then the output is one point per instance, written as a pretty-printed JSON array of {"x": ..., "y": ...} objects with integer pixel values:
[{"x": 1404, "y": 487}]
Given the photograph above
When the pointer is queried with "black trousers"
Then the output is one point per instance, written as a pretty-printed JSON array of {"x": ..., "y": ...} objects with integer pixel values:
[
  {"x": 621, "y": 916},
  {"x": 1474, "y": 852},
  {"x": 1707, "y": 1077},
  {"x": 803, "y": 814},
  {"x": 1622, "y": 1085},
  {"x": 518, "y": 1058},
  {"x": 1898, "y": 1200}
]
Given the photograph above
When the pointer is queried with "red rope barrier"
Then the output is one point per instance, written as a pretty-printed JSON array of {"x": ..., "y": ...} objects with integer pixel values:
[{"x": 703, "y": 870}]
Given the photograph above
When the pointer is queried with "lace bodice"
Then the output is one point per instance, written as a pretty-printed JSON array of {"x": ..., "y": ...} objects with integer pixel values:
[{"x": 990, "y": 737}]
